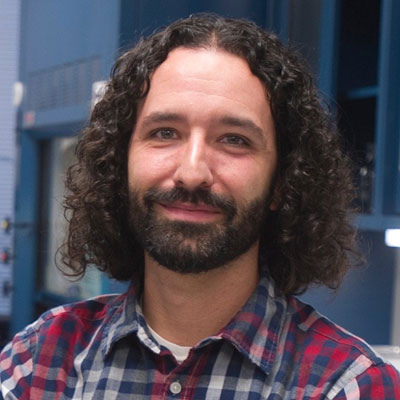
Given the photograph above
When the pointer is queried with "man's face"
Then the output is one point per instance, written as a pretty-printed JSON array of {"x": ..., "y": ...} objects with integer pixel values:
[{"x": 202, "y": 160}]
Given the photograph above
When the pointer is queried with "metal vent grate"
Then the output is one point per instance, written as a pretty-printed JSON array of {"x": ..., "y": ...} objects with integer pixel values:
[{"x": 62, "y": 85}]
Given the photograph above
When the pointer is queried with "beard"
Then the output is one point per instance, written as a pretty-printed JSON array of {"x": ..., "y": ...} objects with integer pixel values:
[{"x": 192, "y": 247}]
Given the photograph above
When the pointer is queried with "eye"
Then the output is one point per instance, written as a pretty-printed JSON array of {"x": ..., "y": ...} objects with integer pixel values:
[
  {"x": 164, "y": 134},
  {"x": 235, "y": 140}
]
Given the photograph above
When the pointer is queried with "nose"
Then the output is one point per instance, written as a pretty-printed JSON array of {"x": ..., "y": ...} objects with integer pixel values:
[{"x": 193, "y": 170}]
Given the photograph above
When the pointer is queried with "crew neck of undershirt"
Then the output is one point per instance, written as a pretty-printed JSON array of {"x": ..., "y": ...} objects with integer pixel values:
[{"x": 179, "y": 352}]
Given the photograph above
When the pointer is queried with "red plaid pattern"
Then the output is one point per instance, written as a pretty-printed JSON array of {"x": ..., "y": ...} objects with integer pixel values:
[{"x": 275, "y": 348}]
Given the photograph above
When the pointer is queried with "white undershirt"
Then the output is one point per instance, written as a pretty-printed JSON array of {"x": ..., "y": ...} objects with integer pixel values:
[{"x": 179, "y": 352}]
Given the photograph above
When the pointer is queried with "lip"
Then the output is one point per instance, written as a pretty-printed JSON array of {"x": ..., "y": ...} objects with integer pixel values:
[{"x": 191, "y": 212}]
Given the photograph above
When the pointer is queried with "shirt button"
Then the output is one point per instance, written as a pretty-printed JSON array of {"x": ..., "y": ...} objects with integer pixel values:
[{"x": 175, "y": 387}]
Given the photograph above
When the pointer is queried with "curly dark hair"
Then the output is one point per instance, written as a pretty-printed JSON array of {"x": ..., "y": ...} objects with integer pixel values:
[{"x": 308, "y": 240}]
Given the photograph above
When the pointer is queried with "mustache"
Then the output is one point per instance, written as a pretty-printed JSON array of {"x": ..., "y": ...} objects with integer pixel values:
[{"x": 197, "y": 196}]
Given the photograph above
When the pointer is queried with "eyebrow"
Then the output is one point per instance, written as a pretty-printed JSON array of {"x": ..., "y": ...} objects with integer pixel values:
[
  {"x": 227, "y": 120},
  {"x": 160, "y": 117}
]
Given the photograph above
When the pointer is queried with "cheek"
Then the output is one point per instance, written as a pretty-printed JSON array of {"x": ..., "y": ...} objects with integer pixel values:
[
  {"x": 148, "y": 167},
  {"x": 247, "y": 180}
]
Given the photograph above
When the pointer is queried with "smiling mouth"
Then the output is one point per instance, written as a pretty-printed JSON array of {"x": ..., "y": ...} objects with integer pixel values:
[{"x": 191, "y": 212}]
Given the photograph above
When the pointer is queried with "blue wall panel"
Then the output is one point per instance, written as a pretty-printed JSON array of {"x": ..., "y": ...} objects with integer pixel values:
[
  {"x": 66, "y": 46},
  {"x": 148, "y": 15},
  {"x": 57, "y": 32}
]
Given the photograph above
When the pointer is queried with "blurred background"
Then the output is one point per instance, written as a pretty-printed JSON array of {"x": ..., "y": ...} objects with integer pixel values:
[{"x": 55, "y": 57}]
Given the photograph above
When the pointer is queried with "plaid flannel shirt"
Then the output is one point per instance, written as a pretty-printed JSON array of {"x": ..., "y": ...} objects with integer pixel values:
[{"x": 275, "y": 348}]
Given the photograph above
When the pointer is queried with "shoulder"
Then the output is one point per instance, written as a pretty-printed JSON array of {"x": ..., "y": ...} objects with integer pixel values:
[
  {"x": 378, "y": 382},
  {"x": 53, "y": 339},
  {"x": 345, "y": 360},
  {"x": 72, "y": 319},
  {"x": 319, "y": 334}
]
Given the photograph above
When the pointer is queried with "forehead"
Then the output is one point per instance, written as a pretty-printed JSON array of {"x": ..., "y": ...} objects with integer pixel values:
[
  {"x": 210, "y": 77},
  {"x": 209, "y": 64}
]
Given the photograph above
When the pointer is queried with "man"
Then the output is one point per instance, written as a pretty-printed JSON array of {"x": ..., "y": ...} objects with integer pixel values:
[{"x": 212, "y": 178}]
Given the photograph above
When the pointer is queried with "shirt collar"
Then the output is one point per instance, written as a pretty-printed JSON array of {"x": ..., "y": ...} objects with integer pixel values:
[
  {"x": 122, "y": 319},
  {"x": 254, "y": 331}
]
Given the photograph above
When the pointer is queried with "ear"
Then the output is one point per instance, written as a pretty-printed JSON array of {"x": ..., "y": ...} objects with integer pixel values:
[{"x": 276, "y": 197}]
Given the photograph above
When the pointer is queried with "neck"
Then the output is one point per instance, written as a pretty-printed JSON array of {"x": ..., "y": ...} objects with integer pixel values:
[{"x": 186, "y": 308}]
